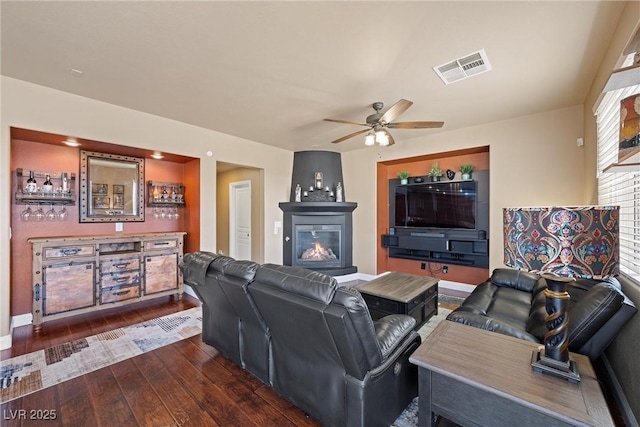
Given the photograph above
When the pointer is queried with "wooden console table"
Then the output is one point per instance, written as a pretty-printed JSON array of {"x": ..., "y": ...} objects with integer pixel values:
[
  {"x": 401, "y": 293},
  {"x": 479, "y": 378},
  {"x": 78, "y": 274}
]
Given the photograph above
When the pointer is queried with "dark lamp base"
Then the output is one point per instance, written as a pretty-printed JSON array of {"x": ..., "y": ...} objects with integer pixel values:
[{"x": 567, "y": 370}]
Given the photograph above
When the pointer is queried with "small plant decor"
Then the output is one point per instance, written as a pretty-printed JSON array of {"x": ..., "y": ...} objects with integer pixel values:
[
  {"x": 466, "y": 170},
  {"x": 435, "y": 172},
  {"x": 403, "y": 175}
]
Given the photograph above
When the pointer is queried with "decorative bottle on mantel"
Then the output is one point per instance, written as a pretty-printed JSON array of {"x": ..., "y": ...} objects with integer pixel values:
[
  {"x": 298, "y": 193},
  {"x": 32, "y": 186},
  {"x": 339, "y": 192}
]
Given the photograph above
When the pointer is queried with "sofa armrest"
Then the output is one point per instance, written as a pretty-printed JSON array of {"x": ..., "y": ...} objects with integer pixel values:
[
  {"x": 596, "y": 319},
  {"x": 487, "y": 323},
  {"x": 391, "y": 330}
]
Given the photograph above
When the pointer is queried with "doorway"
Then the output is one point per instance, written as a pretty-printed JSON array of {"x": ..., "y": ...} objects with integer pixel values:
[{"x": 240, "y": 211}]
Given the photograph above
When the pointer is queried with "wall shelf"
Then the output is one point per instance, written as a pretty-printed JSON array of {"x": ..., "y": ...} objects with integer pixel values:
[
  {"x": 165, "y": 194},
  {"x": 55, "y": 197}
]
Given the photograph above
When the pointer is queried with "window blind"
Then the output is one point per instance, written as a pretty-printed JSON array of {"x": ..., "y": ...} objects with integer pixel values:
[{"x": 619, "y": 188}]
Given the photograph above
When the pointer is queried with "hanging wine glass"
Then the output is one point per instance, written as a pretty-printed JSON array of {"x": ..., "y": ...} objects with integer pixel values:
[
  {"x": 51, "y": 214},
  {"x": 26, "y": 214},
  {"x": 39, "y": 214},
  {"x": 156, "y": 213},
  {"x": 163, "y": 213},
  {"x": 176, "y": 215},
  {"x": 63, "y": 214}
]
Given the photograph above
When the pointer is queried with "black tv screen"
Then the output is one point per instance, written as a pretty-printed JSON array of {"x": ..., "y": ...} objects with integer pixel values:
[{"x": 436, "y": 205}]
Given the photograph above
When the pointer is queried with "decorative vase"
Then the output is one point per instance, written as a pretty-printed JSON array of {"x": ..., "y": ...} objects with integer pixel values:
[
  {"x": 418, "y": 179},
  {"x": 435, "y": 178},
  {"x": 450, "y": 174},
  {"x": 404, "y": 181},
  {"x": 466, "y": 176}
]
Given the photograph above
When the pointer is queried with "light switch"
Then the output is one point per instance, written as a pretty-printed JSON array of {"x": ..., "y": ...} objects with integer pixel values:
[{"x": 119, "y": 226}]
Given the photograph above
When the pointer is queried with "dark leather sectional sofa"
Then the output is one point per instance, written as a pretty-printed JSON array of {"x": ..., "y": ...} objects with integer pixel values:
[
  {"x": 512, "y": 302},
  {"x": 311, "y": 340}
]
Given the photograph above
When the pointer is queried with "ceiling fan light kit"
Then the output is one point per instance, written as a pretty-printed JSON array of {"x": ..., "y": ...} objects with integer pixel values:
[{"x": 380, "y": 123}]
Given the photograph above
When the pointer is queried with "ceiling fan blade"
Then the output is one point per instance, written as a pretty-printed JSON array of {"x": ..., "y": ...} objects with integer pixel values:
[
  {"x": 351, "y": 135},
  {"x": 395, "y": 110},
  {"x": 345, "y": 121},
  {"x": 415, "y": 125}
]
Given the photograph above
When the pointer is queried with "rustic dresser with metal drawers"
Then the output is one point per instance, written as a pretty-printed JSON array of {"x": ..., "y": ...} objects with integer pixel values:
[{"x": 74, "y": 275}]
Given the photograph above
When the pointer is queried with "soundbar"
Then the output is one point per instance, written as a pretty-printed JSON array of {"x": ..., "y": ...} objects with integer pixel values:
[{"x": 428, "y": 234}]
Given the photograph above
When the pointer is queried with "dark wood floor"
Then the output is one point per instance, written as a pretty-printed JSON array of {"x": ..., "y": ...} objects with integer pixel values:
[{"x": 183, "y": 384}]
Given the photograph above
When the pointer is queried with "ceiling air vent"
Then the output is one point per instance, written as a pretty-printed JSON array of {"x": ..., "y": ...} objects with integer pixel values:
[{"x": 463, "y": 68}]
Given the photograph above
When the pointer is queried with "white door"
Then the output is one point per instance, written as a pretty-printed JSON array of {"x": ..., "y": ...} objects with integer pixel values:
[{"x": 240, "y": 220}]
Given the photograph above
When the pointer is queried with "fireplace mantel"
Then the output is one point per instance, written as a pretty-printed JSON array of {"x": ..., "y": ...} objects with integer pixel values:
[{"x": 318, "y": 206}]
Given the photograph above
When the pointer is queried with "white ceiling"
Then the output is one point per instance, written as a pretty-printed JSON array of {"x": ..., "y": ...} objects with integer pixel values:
[{"x": 271, "y": 71}]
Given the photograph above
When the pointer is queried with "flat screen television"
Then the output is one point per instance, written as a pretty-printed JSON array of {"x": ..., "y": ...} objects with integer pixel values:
[{"x": 450, "y": 205}]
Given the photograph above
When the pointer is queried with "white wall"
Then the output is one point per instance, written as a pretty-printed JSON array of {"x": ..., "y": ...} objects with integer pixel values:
[
  {"x": 534, "y": 161},
  {"x": 30, "y": 106}
]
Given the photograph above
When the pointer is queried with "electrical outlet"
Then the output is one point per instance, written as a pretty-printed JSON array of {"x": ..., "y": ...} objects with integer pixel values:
[
  {"x": 445, "y": 269},
  {"x": 119, "y": 226},
  {"x": 423, "y": 265}
]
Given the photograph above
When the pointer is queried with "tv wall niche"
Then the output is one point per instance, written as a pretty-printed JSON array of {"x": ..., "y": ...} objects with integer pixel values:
[{"x": 445, "y": 221}]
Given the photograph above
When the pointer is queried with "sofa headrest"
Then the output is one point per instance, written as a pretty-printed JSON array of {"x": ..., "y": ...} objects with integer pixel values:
[
  {"x": 217, "y": 265},
  {"x": 195, "y": 265},
  {"x": 517, "y": 279},
  {"x": 299, "y": 281},
  {"x": 245, "y": 270}
]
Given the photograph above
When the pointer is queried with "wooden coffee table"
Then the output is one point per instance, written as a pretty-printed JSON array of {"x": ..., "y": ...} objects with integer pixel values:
[
  {"x": 476, "y": 377},
  {"x": 401, "y": 293}
]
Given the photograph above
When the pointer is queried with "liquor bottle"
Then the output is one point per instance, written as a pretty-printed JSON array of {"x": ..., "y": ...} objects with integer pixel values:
[
  {"x": 65, "y": 183},
  {"x": 47, "y": 186},
  {"x": 339, "y": 194},
  {"x": 174, "y": 195},
  {"x": 32, "y": 186},
  {"x": 165, "y": 193}
]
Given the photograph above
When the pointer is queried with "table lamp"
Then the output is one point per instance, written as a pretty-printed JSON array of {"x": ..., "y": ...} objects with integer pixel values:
[{"x": 561, "y": 243}]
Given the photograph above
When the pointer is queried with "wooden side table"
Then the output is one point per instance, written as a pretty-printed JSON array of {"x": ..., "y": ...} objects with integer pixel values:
[
  {"x": 479, "y": 378},
  {"x": 401, "y": 293}
]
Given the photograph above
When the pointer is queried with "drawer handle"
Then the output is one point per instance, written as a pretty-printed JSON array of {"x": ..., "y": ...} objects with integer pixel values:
[
  {"x": 123, "y": 265},
  {"x": 121, "y": 293},
  {"x": 70, "y": 251},
  {"x": 160, "y": 243},
  {"x": 120, "y": 279}
]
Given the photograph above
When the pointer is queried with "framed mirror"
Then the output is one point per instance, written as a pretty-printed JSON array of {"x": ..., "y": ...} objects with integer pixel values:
[{"x": 111, "y": 188}]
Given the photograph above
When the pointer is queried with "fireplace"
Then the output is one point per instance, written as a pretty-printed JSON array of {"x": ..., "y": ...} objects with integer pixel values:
[
  {"x": 318, "y": 229},
  {"x": 317, "y": 246}
]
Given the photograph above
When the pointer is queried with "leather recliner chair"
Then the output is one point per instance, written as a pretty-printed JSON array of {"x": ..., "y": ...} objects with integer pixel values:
[{"x": 328, "y": 357}]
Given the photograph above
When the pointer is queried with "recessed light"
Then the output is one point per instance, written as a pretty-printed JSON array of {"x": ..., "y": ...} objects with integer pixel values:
[
  {"x": 76, "y": 73},
  {"x": 157, "y": 155},
  {"x": 71, "y": 142}
]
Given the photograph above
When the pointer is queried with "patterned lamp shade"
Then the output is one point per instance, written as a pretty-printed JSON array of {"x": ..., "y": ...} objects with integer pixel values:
[{"x": 563, "y": 241}]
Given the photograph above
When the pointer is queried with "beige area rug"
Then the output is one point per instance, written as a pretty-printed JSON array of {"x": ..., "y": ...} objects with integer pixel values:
[{"x": 22, "y": 375}]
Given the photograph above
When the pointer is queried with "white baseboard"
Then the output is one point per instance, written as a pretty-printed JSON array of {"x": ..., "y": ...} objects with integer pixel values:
[
  {"x": 187, "y": 290},
  {"x": 5, "y": 342},
  {"x": 16, "y": 321},
  {"x": 21, "y": 320}
]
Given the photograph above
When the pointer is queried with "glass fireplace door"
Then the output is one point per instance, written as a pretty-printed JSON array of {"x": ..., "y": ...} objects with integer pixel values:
[{"x": 318, "y": 246}]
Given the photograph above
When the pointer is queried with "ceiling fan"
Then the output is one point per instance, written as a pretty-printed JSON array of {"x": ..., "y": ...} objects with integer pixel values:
[{"x": 378, "y": 124}]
